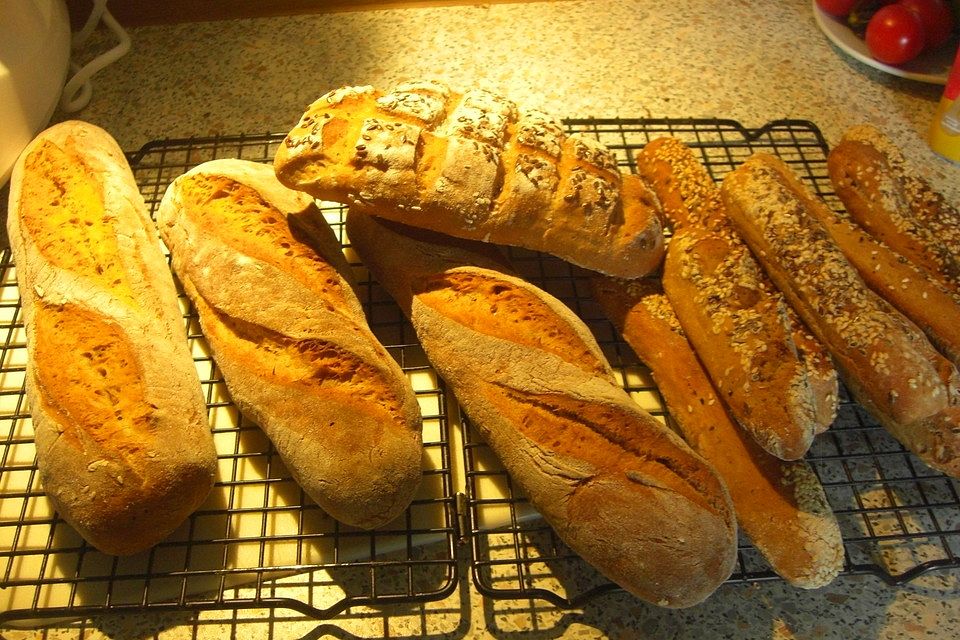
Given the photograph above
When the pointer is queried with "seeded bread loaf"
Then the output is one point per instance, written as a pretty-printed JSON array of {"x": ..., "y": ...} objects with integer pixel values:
[
  {"x": 618, "y": 487},
  {"x": 780, "y": 505},
  {"x": 272, "y": 289},
  {"x": 927, "y": 301},
  {"x": 885, "y": 360},
  {"x": 474, "y": 165},
  {"x": 894, "y": 204},
  {"x": 123, "y": 447},
  {"x": 749, "y": 341}
]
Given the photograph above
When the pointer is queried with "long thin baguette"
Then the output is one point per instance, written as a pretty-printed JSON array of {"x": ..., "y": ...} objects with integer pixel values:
[
  {"x": 780, "y": 505},
  {"x": 737, "y": 321},
  {"x": 927, "y": 301},
  {"x": 894, "y": 204},
  {"x": 884, "y": 359},
  {"x": 123, "y": 446},
  {"x": 889, "y": 203},
  {"x": 475, "y": 166},
  {"x": 742, "y": 338},
  {"x": 618, "y": 487},
  {"x": 277, "y": 307}
]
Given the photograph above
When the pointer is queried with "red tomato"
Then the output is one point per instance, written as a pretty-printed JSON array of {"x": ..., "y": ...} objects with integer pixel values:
[
  {"x": 895, "y": 35},
  {"x": 936, "y": 18},
  {"x": 839, "y": 8}
]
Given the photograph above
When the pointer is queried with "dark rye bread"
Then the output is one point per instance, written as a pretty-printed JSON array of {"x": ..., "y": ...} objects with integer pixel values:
[
  {"x": 124, "y": 451},
  {"x": 474, "y": 165},
  {"x": 885, "y": 360},
  {"x": 775, "y": 378},
  {"x": 619, "y": 488},
  {"x": 896, "y": 206},
  {"x": 276, "y": 304},
  {"x": 780, "y": 505}
]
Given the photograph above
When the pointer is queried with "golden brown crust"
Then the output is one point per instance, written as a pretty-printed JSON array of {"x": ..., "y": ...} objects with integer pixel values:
[
  {"x": 894, "y": 205},
  {"x": 123, "y": 447},
  {"x": 733, "y": 316},
  {"x": 885, "y": 360},
  {"x": 475, "y": 166},
  {"x": 780, "y": 505},
  {"x": 927, "y": 302},
  {"x": 276, "y": 305},
  {"x": 618, "y": 487},
  {"x": 742, "y": 339}
]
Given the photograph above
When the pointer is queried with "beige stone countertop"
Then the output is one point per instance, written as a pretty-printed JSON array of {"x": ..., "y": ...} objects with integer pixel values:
[{"x": 749, "y": 61}]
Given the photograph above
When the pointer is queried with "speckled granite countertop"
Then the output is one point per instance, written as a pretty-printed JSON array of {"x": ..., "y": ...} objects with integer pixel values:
[{"x": 752, "y": 62}]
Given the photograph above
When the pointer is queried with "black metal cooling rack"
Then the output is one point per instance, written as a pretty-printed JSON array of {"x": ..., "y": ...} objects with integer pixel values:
[
  {"x": 898, "y": 518},
  {"x": 258, "y": 542}
]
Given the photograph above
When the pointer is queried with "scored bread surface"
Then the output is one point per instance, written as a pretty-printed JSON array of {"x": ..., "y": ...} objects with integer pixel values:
[
  {"x": 474, "y": 165},
  {"x": 619, "y": 488},
  {"x": 123, "y": 446},
  {"x": 275, "y": 300}
]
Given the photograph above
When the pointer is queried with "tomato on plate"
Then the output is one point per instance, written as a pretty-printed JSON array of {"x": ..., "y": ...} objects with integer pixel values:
[
  {"x": 895, "y": 34},
  {"x": 838, "y": 8},
  {"x": 936, "y": 18}
]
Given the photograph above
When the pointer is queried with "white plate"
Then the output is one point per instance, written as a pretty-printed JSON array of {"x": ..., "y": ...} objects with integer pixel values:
[{"x": 933, "y": 67}]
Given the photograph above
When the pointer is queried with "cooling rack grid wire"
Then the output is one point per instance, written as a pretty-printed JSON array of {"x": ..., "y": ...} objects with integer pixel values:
[
  {"x": 258, "y": 543},
  {"x": 898, "y": 518}
]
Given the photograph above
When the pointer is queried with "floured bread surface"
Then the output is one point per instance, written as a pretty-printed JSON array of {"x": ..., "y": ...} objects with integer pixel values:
[
  {"x": 619, "y": 488},
  {"x": 123, "y": 446},
  {"x": 474, "y": 165},
  {"x": 277, "y": 307}
]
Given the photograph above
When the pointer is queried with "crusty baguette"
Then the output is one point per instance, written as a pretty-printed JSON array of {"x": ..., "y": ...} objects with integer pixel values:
[
  {"x": 885, "y": 360},
  {"x": 742, "y": 338},
  {"x": 894, "y": 204},
  {"x": 475, "y": 166},
  {"x": 618, "y": 487},
  {"x": 925, "y": 300},
  {"x": 272, "y": 289},
  {"x": 123, "y": 446},
  {"x": 780, "y": 505},
  {"x": 731, "y": 313}
]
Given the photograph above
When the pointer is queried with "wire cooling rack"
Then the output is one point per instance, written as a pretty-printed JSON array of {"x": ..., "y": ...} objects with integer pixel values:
[
  {"x": 898, "y": 518},
  {"x": 257, "y": 542}
]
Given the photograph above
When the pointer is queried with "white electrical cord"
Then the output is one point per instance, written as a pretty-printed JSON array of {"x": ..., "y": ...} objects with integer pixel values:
[{"x": 78, "y": 90}]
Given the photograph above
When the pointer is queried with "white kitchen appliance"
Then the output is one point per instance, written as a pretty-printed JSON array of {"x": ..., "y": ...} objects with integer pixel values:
[{"x": 35, "y": 41}]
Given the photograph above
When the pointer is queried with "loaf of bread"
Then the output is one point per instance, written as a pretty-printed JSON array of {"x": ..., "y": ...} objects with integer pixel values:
[
  {"x": 618, "y": 487},
  {"x": 927, "y": 301},
  {"x": 780, "y": 505},
  {"x": 276, "y": 304},
  {"x": 896, "y": 206},
  {"x": 885, "y": 360},
  {"x": 124, "y": 450},
  {"x": 474, "y": 165},
  {"x": 732, "y": 315}
]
